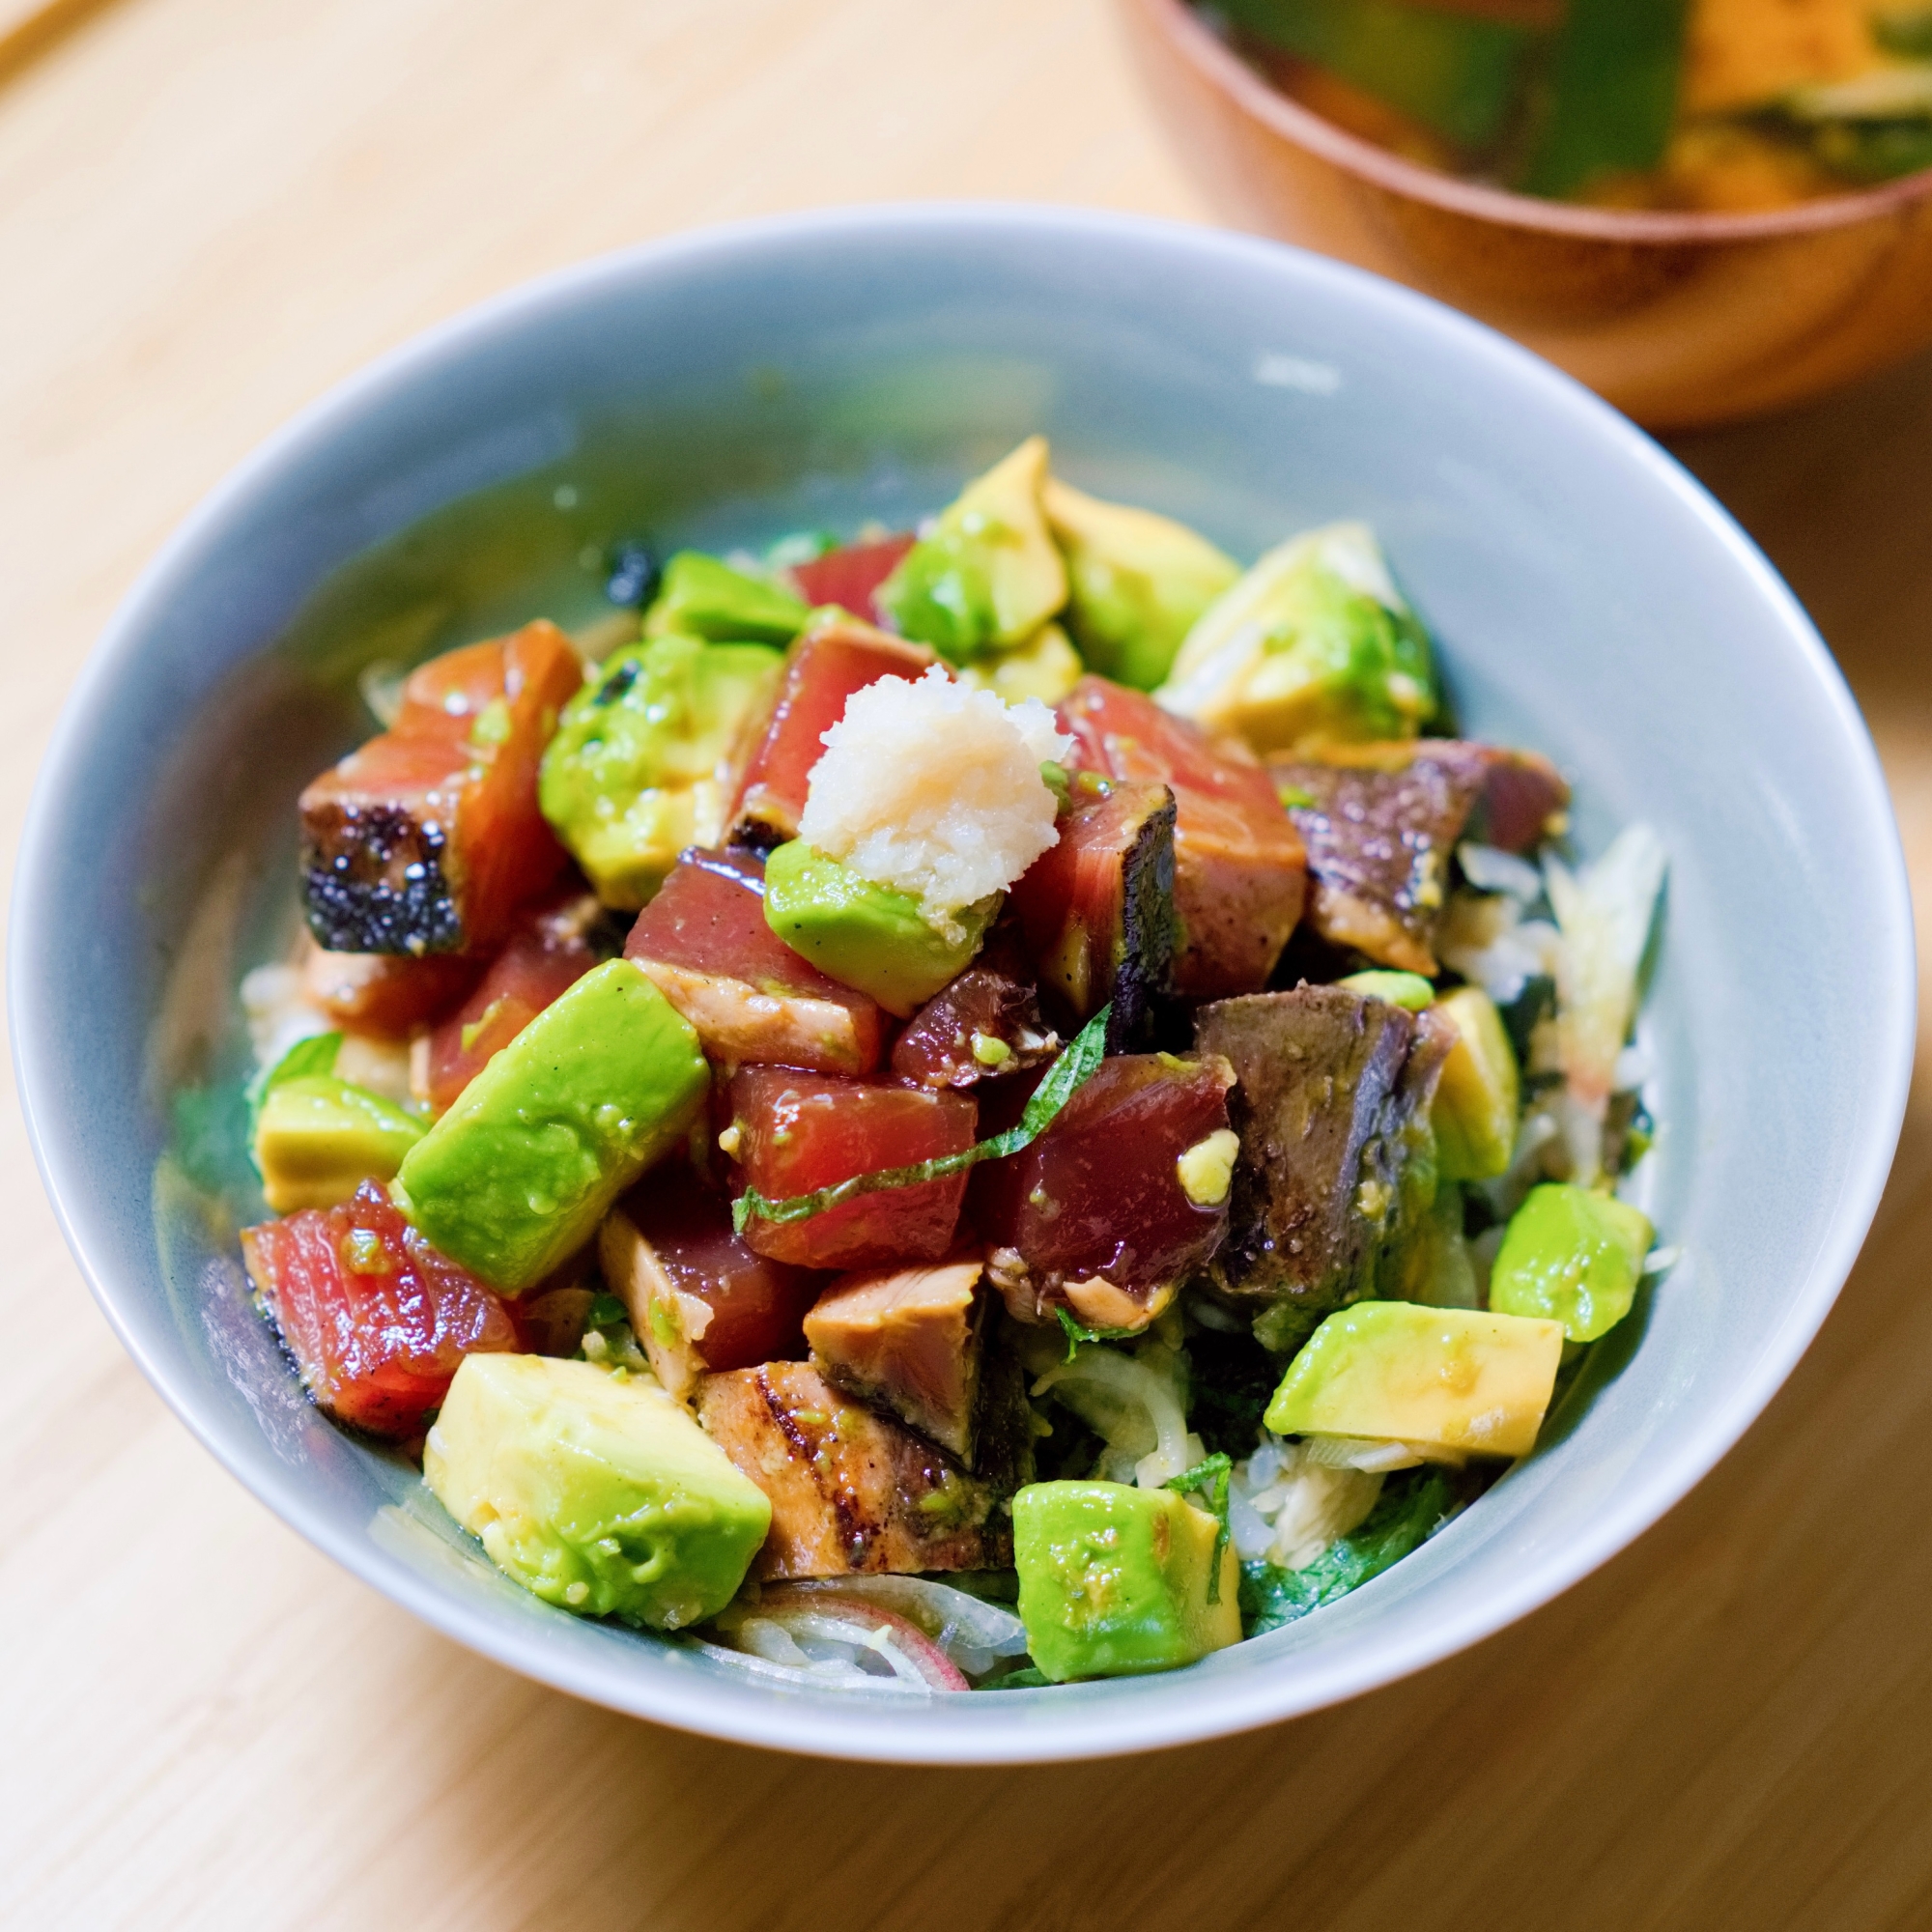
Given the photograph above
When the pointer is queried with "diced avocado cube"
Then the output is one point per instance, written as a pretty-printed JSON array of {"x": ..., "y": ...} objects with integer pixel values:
[
  {"x": 1114, "y": 1581},
  {"x": 700, "y": 597},
  {"x": 989, "y": 575},
  {"x": 1046, "y": 667},
  {"x": 871, "y": 937},
  {"x": 1574, "y": 1256},
  {"x": 1136, "y": 583},
  {"x": 516, "y": 1176},
  {"x": 599, "y": 1494},
  {"x": 318, "y": 1138},
  {"x": 1480, "y": 1094},
  {"x": 1408, "y": 990},
  {"x": 633, "y": 775},
  {"x": 1313, "y": 647},
  {"x": 1450, "y": 1379}
]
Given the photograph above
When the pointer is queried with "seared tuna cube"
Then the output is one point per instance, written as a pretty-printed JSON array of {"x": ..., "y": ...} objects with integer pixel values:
[
  {"x": 1382, "y": 827},
  {"x": 429, "y": 838},
  {"x": 1239, "y": 871},
  {"x": 848, "y": 576},
  {"x": 852, "y": 1492},
  {"x": 1331, "y": 1104},
  {"x": 1122, "y": 1197},
  {"x": 387, "y": 993},
  {"x": 1097, "y": 910},
  {"x": 700, "y": 1299},
  {"x": 705, "y": 941},
  {"x": 907, "y": 1339},
  {"x": 833, "y": 657},
  {"x": 797, "y": 1133},
  {"x": 985, "y": 1025}
]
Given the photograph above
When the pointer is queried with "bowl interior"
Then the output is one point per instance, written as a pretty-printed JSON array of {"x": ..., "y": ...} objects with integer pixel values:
[{"x": 1587, "y": 597}]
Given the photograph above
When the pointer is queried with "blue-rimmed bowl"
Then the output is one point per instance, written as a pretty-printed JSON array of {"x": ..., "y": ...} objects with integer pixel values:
[{"x": 1589, "y": 599}]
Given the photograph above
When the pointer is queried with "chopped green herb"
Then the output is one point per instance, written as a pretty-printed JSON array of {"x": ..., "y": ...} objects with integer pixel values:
[
  {"x": 1078, "y": 1332},
  {"x": 1069, "y": 1073},
  {"x": 306, "y": 1058},
  {"x": 605, "y": 1311},
  {"x": 1409, "y": 1513},
  {"x": 1210, "y": 1478}
]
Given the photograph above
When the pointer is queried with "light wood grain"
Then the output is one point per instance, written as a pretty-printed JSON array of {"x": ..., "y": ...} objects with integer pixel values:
[{"x": 210, "y": 209}]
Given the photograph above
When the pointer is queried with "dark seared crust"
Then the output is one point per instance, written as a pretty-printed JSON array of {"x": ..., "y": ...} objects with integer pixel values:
[
  {"x": 1379, "y": 843},
  {"x": 1144, "y": 952},
  {"x": 1002, "y": 1430},
  {"x": 375, "y": 879},
  {"x": 852, "y": 1491},
  {"x": 1331, "y": 1104}
]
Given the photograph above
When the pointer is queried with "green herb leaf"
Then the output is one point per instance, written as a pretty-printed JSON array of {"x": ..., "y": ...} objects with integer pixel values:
[
  {"x": 605, "y": 1311},
  {"x": 1078, "y": 1332},
  {"x": 1068, "y": 1074},
  {"x": 1210, "y": 1478},
  {"x": 306, "y": 1059},
  {"x": 1404, "y": 1518}
]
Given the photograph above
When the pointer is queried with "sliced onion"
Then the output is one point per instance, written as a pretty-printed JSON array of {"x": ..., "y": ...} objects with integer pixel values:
[
  {"x": 820, "y": 1636},
  {"x": 973, "y": 1632},
  {"x": 809, "y": 1677}
]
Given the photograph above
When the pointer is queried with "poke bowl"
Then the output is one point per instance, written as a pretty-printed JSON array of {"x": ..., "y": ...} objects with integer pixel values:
[{"x": 498, "y": 539}]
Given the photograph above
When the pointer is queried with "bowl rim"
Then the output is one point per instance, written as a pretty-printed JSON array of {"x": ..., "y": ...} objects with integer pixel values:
[
  {"x": 1088, "y": 1725},
  {"x": 1218, "y": 63}
]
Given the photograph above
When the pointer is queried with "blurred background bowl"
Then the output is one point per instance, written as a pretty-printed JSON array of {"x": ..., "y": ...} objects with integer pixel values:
[
  {"x": 1678, "y": 319},
  {"x": 1588, "y": 597}
]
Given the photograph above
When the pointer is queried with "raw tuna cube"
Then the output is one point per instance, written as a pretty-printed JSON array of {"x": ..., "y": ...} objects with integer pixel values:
[
  {"x": 1332, "y": 1105},
  {"x": 705, "y": 941},
  {"x": 834, "y": 656},
  {"x": 545, "y": 957},
  {"x": 377, "y": 1320},
  {"x": 799, "y": 1132},
  {"x": 1096, "y": 1216},
  {"x": 698, "y": 1297},
  {"x": 985, "y": 1025},
  {"x": 1382, "y": 827},
  {"x": 388, "y": 993},
  {"x": 1239, "y": 871},
  {"x": 1097, "y": 910},
  {"x": 907, "y": 1339},
  {"x": 849, "y": 575},
  {"x": 852, "y": 1491},
  {"x": 429, "y": 838}
]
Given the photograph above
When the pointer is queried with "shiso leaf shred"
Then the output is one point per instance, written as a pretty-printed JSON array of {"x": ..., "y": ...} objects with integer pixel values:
[{"x": 1068, "y": 1074}]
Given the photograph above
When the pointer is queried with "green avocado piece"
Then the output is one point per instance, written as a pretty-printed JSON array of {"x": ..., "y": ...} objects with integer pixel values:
[
  {"x": 516, "y": 1176},
  {"x": 634, "y": 773},
  {"x": 700, "y": 597},
  {"x": 1408, "y": 990},
  {"x": 318, "y": 1138},
  {"x": 599, "y": 1494},
  {"x": 1113, "y": 1579},
  {"x": 1314, "y": 645},
  {"x": 1574, "y": 1256},
  {"x": 1136, "y": 583},
  {"x": 1480, "y": 1094},
  {"x": 989, "y": 575},
  {"x": 1450, "y": 1379},
  {"x": 864, "y": 935}
]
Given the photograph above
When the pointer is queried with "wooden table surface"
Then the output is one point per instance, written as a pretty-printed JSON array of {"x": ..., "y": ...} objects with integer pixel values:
[{"x": 210, "y": 209}]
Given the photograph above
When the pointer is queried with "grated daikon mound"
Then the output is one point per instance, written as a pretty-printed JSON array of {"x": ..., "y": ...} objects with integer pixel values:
[{"x": 934, "y": 788}]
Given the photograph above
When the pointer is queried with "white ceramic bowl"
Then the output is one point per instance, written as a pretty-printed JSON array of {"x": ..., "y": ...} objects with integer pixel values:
[{"x": 1588, "y": 597}]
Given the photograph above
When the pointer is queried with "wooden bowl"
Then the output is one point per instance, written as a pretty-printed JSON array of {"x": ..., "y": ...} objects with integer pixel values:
[{"x": 1679, "y": 319}]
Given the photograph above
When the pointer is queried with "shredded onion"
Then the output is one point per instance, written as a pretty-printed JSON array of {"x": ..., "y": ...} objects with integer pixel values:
[
  {"x": 972, "y": 1632},
  {"x": 1121, "y": 1375}
]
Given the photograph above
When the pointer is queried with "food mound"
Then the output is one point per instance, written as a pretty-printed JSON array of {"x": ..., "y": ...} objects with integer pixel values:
[
  {"x": 1714, "y": 105},
  {"x": 961, "y": 1110}
]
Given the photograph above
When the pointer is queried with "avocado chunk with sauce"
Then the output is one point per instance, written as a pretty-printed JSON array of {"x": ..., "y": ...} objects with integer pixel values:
[
  {"x": 1452, "y": 1380},
  {"x": 1117, "y": 1581},
  {"x": 867, "y": 936},
  {"x": 1571, "y": 1255},
  {"x": 698, "y": 596},
  {"x": 1480, "y": 1094},
  {"x": 988, "y": 575},
  {"x": 1136, "y": 583},
  {"x": 1046, "y": 667},
  {"x": 600, "y": 1494},
  {"x": 318, "y": 1138},
  {"x": 516, "y": 1176},
  {"x": 636, "y": 771},
  {"x": 1313, "y": 647}
]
